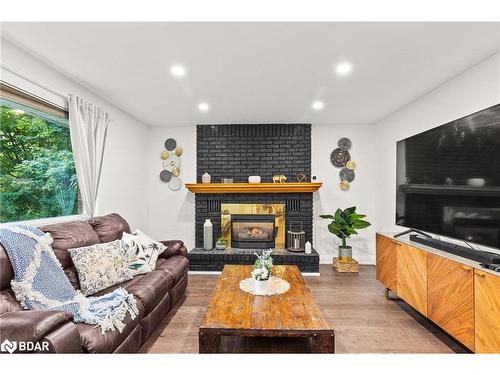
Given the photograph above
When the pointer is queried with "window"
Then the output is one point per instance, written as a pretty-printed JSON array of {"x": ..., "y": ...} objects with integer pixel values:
[{"x": 38, "y": 177}]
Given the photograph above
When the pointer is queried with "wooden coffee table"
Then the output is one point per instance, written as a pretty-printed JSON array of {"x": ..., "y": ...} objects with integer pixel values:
[{"x": 233, "y": 312}]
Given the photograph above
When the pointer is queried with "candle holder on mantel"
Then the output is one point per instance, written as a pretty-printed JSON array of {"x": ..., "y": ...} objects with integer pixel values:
[{"x": 296, "y": 237}]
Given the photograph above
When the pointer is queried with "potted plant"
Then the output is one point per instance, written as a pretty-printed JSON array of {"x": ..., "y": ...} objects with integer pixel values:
[
  {"x": 262, "y": 270},
  {"x": 344, "y": 224},
  {"x": 221, "y": 243}
]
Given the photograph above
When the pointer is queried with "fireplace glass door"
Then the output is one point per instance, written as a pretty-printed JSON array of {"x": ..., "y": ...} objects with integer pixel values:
[{"x": 252, "y": 231}]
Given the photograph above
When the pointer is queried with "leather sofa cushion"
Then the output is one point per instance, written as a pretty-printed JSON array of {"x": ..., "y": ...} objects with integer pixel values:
[
  {"x": 93, "y": 341},
  {"x": 8, "y": 302},
  {"x": 69, "y": 235},
  {"x": 150, "y": 288},
  {"x": 6, "y": 271},
  {"x": 30, "y": 325},
  {"x": 176, "y": 266},
  {"x": 109, "y": 227},
  {"x": 73, "y": 277}
]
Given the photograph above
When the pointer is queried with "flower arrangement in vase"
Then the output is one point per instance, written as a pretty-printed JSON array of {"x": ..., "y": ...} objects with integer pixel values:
[{"x": 262, "y": 270}]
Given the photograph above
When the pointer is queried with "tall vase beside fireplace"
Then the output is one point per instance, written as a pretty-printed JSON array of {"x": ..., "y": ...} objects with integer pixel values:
[{"x": 208, "y": 235}]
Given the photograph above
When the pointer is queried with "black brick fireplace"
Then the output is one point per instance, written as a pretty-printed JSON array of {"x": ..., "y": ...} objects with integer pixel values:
[{"x": 237, "y": 152}]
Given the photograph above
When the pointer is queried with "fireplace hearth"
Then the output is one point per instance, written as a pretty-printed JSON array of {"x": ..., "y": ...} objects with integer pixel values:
[{"x": 252, "y": 231}]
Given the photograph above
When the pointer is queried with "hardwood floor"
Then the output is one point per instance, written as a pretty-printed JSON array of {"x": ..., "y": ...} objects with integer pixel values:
[{"x": 364, "y": 321}]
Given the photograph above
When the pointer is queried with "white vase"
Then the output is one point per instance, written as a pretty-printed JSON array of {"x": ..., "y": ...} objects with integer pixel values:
[
  {"x": 261, "y": 286},
  {"x": 208, "y": 235},
  {"x": 206, "y": 178},
  {"x": 308, "y": 248}
]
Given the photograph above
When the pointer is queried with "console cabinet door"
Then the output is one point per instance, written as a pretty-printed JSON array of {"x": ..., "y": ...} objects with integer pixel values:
[
  {"x": 450, "y": 294},
  {"x": 412, "y": 277},
  {"x": 387, "y": 262},
  {"x": 487, "y": 298}
]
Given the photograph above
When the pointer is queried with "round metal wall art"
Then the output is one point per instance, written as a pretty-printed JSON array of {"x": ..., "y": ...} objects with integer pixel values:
[
  {"x": 344, "y": 144},
  {"x": 346, "y": 174},
  {"x": 178, "y": 151},
  {"x": 340, "y": 157},
  {"x": 165, "y": 176},
  {"x": 171, "y": 163},
  {"x": 175, "y": 183},
  {"x": 345, "y": 185},
  {"x": 351, "y": 164},
  {"x": 170, "y": 144},
  {"x": 164, "y": 155}
]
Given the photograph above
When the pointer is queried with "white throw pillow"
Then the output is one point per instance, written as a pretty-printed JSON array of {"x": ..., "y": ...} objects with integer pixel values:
[
  {"x": 137, "y": 261},
  {"x": 152, "y": 249},
  {"x": 100, "y": 266}
]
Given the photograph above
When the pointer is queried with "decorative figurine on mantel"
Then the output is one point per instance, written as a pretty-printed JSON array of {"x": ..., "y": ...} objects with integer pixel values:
[{"x": 279, "y": 178}]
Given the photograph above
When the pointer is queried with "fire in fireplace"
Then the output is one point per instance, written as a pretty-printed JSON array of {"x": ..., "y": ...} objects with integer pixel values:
[{"x": 251, "y": 231}]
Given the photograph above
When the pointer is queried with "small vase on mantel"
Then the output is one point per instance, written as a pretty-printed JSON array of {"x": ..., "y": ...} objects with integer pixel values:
[{"x": 208, "y": 235}]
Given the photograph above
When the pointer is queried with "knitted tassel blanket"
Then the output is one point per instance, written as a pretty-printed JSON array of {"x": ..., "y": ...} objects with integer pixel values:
[{"x": 40, "y": 283}]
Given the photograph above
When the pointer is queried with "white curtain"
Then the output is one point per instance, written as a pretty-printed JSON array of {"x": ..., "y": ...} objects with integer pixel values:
[{"x": 88, "y": 127}]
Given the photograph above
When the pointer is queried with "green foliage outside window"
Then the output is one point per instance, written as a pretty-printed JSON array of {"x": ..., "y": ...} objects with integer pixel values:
[{"x": 38, "y": 178}]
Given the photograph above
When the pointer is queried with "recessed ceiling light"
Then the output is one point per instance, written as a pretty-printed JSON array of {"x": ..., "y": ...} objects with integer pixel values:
[
  {"x": 318, "y": 105},
  {"x": 178, "y": 71},
  {"x": 203, "y": 107},
  {"x": 343, "y": 68}
]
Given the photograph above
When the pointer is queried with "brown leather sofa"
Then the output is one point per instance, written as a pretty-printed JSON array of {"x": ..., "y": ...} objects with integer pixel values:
[{"x": 155, "y": 292}]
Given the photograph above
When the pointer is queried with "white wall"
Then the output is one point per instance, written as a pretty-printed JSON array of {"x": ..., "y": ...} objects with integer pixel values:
[
  {"x": 330, "y": 197},
  {"x": 171, "y": 213},
  {"x": 475, "y": 89},
  {"x": 123, "y": 182}
]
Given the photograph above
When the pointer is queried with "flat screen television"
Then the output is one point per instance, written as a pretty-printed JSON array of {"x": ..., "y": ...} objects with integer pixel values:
[{"x": 448, "y": 179}]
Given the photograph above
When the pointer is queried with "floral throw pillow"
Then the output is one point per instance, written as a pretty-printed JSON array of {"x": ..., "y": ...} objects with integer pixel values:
[
  {"x": 100, "y": 266},
  {"x": 152, "y": 249},
  {"x": 138, "y": 263}
]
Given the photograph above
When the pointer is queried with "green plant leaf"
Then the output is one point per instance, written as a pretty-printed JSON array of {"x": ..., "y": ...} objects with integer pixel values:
[
  {"x": 334, "y": 230},
  {"x": 360, "y": 224},
  {"x": 326, "y": 216},
  {"x": 356, "y": 216}
]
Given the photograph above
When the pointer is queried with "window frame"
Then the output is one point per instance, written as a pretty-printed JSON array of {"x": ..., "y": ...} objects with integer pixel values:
[{"x": 45, "y": 97}]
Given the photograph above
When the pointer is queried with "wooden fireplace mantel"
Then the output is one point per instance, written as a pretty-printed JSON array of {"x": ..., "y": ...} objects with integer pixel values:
[{"x": 263, "y": 187}]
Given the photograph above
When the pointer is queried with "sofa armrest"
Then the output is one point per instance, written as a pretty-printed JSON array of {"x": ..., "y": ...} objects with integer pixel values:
[
  {"x": 65, "y": 339},
  {"x": 174, "y": 247},
  {"x": 31, "y": 325}
]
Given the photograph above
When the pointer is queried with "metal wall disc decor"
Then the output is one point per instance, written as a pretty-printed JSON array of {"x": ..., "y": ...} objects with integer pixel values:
[
  {"x": 165, "y": 176},
  {"x": 345, "y": 185},
  {"x": 171, "y": 163},
  {"x": 178, "y": 151},
  {"x": 170, "y": 144},
  {"x": 176, "y": 171},
  {"x": 351, "y": 164},
  {"x": 175, "y": 183},
  {"x": 346, "y": 174},
  {"x": 339, "y": 157},
  {"x": 345, "y": 144}
]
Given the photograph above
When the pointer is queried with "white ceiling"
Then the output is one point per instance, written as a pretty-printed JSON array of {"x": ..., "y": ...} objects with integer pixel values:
[{"x": 259, "y": 72}]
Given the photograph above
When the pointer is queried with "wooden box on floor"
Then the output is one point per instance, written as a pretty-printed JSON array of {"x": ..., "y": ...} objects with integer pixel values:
[{"x": 345, "y": 266}]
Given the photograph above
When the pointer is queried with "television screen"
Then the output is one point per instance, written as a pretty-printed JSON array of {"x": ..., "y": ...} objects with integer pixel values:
[{"x": 448, "y": 179}]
